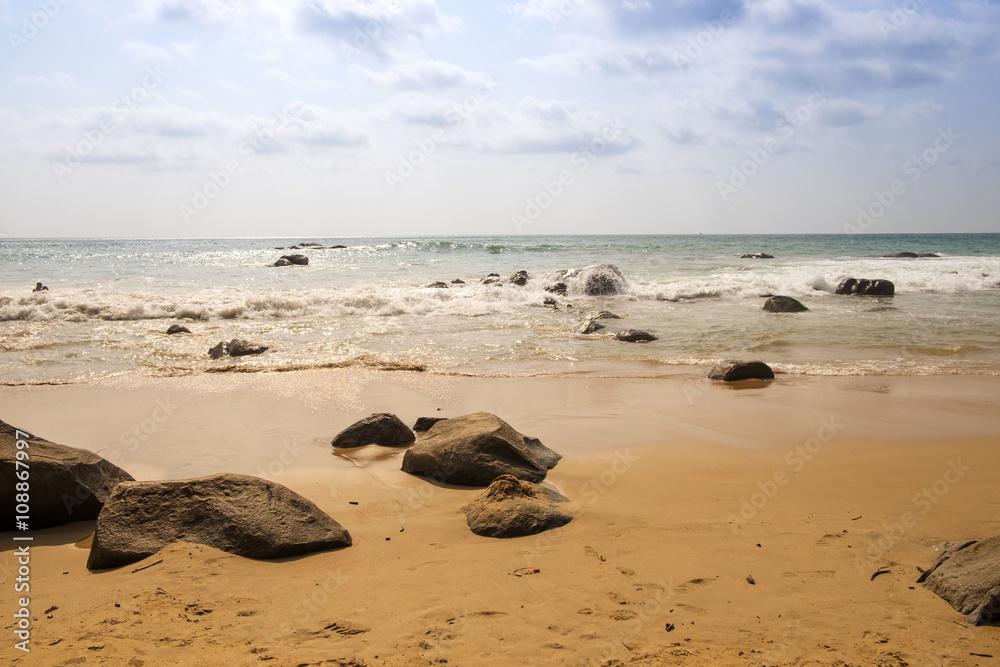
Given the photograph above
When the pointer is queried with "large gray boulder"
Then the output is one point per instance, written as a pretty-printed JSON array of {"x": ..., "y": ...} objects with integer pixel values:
[
  {"x": 65, "y": 484},
  {"x": 967, "y": 576},
  {"x": 475, "y": 449},
  {"x": 866, "y": 287},
  {"x": 732, "y": 371},
  {"x": 512, "y": 508},
  {"x": 634, "y": 336},
  {"x": 382, "y": 428},
  {"x": 243, "y": 515},
  {"x": 599, "y": 280},
  {"x": 784, "y": 304}
]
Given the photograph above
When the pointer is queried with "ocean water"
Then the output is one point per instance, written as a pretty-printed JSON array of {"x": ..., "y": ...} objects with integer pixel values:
[{"x": 111, "y": 300}]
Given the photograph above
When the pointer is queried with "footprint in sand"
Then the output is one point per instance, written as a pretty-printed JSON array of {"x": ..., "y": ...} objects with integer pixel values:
[
  {"x": 829, "y": 538},
  {"x": 623, "y": 615},
  {"x": 812, "y": 575},
  {"x": 690, "y": 609},
  {"x": 694, "y": 584},
  {"x": 346, "y": 629}
]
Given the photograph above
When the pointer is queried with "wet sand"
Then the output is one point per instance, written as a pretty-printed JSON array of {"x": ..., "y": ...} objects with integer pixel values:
[{"x": 681, "y": 489}]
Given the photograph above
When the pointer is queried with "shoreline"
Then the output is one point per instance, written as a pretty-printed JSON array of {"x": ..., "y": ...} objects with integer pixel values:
[{"x": 674, "y": 484}]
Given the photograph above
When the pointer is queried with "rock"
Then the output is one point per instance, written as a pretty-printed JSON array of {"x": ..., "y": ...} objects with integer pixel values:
[
  {"x": 491, "y": 279},
  {"x": 219, "y": 350},
  {"x": 600, "y": 279},
  {"x": 298, "y": 260},
  {"x": 423, "y": 424},
  {"x": 757, "y": 255},
  {"x": 439, "y": 284},
  {"x": 967, "y": 576},
  {"x": 177, "y": 328},
  {"x": 336, "y": 247},
  {"x": 928, "y": 254},
  {"x": 549, "y": 301},
  {"x": 634, "y": 336},
  {"x": 589, "y": 327},
  {"x": 731, "y": 371},
  {"x": 866, "y": 287},
  {"x": 475, "y": 449},
  {"x": 239, "y": 348},
  {"x": 602, "y": 315},
  {"x": 457, "y": 281},
  {"x": 558, "y": 288},
  {"x": 303, "y": 246},
  {"x": 282, "y": 262},
  {"x": 518, "y": 278},
  {"x": 912, "y": 255},
  {"x": 242, "y": 515},
  {"x": 382, "y": 428},
  {"x": 784, "y": 304},
  {"x": 512, "y": 508},
  {"x": 280, "y": 248},
  {"x": 66, "y": 484}
]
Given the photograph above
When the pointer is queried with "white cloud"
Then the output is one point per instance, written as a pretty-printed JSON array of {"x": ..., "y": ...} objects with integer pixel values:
[
  {"x": 420, "y": 75},
  {"x": 280, "y": 76},
  {"x": 54, "y": 80}
]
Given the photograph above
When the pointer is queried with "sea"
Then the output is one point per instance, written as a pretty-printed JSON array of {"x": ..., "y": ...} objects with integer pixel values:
[{"x": 110, "y": 301}]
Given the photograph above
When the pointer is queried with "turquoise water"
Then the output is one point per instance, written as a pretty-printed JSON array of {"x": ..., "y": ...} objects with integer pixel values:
[{"x": 110, "y": 300}]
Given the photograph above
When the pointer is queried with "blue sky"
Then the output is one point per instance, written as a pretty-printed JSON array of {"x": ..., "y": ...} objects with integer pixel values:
[{"x": 389, "y": 117}]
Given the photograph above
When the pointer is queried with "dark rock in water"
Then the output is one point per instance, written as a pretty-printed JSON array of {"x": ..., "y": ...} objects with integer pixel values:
[
  {"x": 242, "y": 515},
  {"x": 928, "y": 254},
  {"x": 558, "y": 288},
  {"x": 784, "y": 304},
  {"x": 382, "y": 428},
  {"x": 439, "y": 284},
  {"x": 602, "y": 315},
  {"x": 512, "y": 508},
  {"x": 336, "y": 247},
  {"x": 177, "y": 328},
  {"x": 282, "y": 262},
  {"x": 589, "y": 327},
  {"x": 239, "y": 348},
  {"x": 866, "y": 287},
  {"x": 600, "y": 279},
  {"x": 732, "y": 371},
  {"x": 902, "y": 254},
  {"x": 298, "y": 260},
  {"x": 66, "y": 484},
  {"x": 757, "y": 255},
  {"x": 219, "y": 350},
  {"x": 491, "y": 279},
  {"x": 303, "y": 246},
  {"x": 280, "y": 248},
  {"x": 549, "y": 301},
  {"x": 634, "y": 336},
  {"x": 518, "y": 278},
  {"x": 967, "y": 576},
  {"x": 457, "y": 281},
  {"x": 881, "y": 309},
  {"x": 423, "y": 424},
  {"x": 475, "y": 449}
]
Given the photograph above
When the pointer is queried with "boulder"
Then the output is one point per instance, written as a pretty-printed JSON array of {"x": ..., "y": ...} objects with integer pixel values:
[
  {"x": 242, "y": 515},
  {"x": 239, "y": 348},
  {"x": 491, "y": 279},
  {"x": 549, "y": 301},
  {"x": 967, "y": 576},
  {"x": 66, "y": 484},
  {"x": 602, "y": 315},
  {"x": 519, "y": 278},
  {"x": 912, "y": 255},
  {"x": 382, "y": 429},
  {"x": 457, "y": 281},
  {"x": 731, "y": 371},
  {"x": 303, "y": 246},
  {"x": 600, "y": 279},
  {"x": 512, "y": 508},
  {"x": 298, "y": 260},
  {"x": 634, "y": 336},
  {"x": 784, "y": 304},
  {"x": 757, "y": 255},
  {"x": 219, "y": 350},
  {"x": 439, "y": 284},
  {"x": 177, "y": 328},
  {"x": 282, "y": 262},
  {"x": 866, "y": 287},
  {"x": 589, "y": 327},
  {"x": 475, "y": 449},
  {"x": 423, "y": 424},
  {"x": 557, "y": 288}
]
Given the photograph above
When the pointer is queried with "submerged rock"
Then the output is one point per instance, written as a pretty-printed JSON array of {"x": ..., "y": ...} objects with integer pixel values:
[
  {"x": 242, "y": 515},
  {"x": 491, "y": 279},
  {"x": 912, "y": 255},
  {"x": 177, "y": 328},
  {"x": 239, "y": 348},
  {"x": 600, "y": 279},
  {"x": 439, "y": 284},
  {"x": 282, "y": 262},
  {"x": 475, "y": 449},
  {"x": 219, "y": 350},
  {"x": 589, "y": 327},
  {"x": 783, "y": 304},
  {"x": 602, "y": 315},
  {"x": 967, "y": 576},
  {"x": 866, "y": 287},
  {"x": 298, "y": 260},
  {"x": 512, "y": 508},
  {"x": 757, "y": 255},
  {"x": 519, "y": 278},
  {"x": 66, "y": 484},
  {"x": 557, "y": 288},
  {"x": 634, "y": 336},
  {"x": 732, "y": 371},
  {"x": 457, "y": 281},
  {"x": 382, "y": 428}
]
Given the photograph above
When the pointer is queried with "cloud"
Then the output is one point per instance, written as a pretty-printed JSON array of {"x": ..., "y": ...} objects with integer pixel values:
[
  {"x": 232, "y": 86},
  {"x": 140, "y": 50},
  {"x": 420, "y": 75},
  {"x": 841, "y": 112},
  {"x": 169, "y": 120},
  {"x": 280, "y": 76},
  {"x": 54, "y": 80}
]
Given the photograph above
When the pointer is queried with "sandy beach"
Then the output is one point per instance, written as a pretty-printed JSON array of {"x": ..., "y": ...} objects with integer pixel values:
[{"x": 683, "y": 491}]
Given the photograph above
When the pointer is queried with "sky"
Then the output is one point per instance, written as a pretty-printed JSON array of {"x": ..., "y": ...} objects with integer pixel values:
[{"x": 341, "y": 118}]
